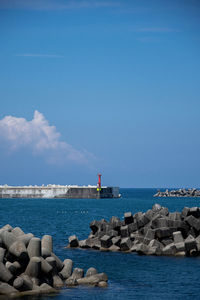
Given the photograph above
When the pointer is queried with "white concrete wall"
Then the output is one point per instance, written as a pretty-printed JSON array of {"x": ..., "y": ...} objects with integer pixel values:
[{"x": 33, "y": 192}]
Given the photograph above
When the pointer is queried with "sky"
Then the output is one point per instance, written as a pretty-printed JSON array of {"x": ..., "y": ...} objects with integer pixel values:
[{"x": 91, "y": 86}]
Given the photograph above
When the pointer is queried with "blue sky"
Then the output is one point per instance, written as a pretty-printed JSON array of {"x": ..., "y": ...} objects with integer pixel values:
[{"x": 100, "y": 86}]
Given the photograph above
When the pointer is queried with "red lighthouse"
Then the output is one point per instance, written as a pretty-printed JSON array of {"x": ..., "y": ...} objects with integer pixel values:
[{"x": 99, "y": 183}]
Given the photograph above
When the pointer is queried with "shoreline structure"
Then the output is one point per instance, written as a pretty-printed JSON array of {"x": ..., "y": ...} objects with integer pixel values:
[
  {"x": 154, "y": 232},
  {"x": 178, "y": 193},
  {"x": 28, "y": 266},
  {"x": 59, "y": 191}
]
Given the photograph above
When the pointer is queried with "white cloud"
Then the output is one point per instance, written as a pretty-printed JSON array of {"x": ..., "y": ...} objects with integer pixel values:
[{"x": 41, "y": 138}]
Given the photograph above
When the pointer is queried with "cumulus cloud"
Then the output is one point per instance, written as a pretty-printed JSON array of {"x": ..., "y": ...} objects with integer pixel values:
[{"x": 41, "y": 138}]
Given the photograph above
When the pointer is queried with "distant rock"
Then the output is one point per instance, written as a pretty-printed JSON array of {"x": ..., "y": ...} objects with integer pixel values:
[{"x": 178, "y": 193}]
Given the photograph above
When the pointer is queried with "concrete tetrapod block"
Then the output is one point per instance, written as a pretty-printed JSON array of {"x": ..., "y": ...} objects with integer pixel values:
[
  {"x": 150, "y": 234},
  {"x": 114, "y": 248},
  {"x": 159, "y": 223},
  {"x": 46, "y": 289},
  {"x": 11, "y": 267},
  {"x": 166, "y": 241},
  {"x": 125, "y": 244},
  {"x": 67, "y": 269},
  {"x": 156, "y": 243},
  {"x": 2, "y": 254},
  {"x": 34, "y": 267},
  {"x": 180, "y": 246},
  {"x": 156, "y": 207},
  {"x": 169, "y": 249},
  {"x": 112, "y": 233},
  {"x": 94, "y": 279},
  {"x": 25, "y": 238},
  {"x": 21, "y": 284},
  {"x": 87, "y": 244},
  {"x": 6, "y": 289},
  {"x": 18, "y": 266},
  {"x": 73, "y": 241},
  {"x": 94, "y": 225},
  {"x": 83, "y": 244},
  {"x": 8, "y": 238},
  {"x": 177, "y": 236},
  {"x": 45, "y": 266},
  {"x": 27, "y": 281},
  {"x": 96, "y": 243},
  {"x": 59, "y": 263},
  {"x": 132, "y": 228},
  {"x": 34, "y": 247},
  {"x": 18, "y": 249},
  {"x": 106, "y": 241},
  {"x": 71, "y": 281},
  {"x": 190, "y": 243},
  {"x": 51, "y": 261},
  {"x": 78, "y": 273},
  {"x": 175, "y": 216},
  {"x": 198, "y": 242},
  {"x": 45, "y": 252},
  {"x": 91, "y": 271},
  {"x": 185, "y": 212},
  {"x": 164, "y": 211},
  {"x": 17, "y": 231},
  {"x": 149, "y": 214},
  {"x": 193, "y": 222},
  {"x": 142, "y": 221},
  {"x": 116, "y": 241},
  {"x": 124, "y": 231},
  {"x": 163, "y": 232},
  {"x": 194, "y": 211},
  {"x": 47, "y": 244},
  {"x": 57, "y": 281},
  {"x": 128, "y": 218},
  {"x": 103, "y": 284},
  {"x": 143, "y": 249},
  {"x": 5, "y": 274},
  {"x": 7, "y": 227},
  {"x": 146, "y": 241},
  {"x": 115, "y": 223}
]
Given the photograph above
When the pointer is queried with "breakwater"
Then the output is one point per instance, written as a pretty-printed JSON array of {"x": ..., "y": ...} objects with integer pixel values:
[
  {"x": 155, "y": 232},
  {"x": 178, "y": 193},
  {"x": 28, "y": 266},
  {"x": 58, "y": 191}
]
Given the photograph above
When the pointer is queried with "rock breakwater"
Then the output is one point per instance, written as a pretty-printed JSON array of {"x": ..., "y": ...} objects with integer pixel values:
[
  {"x": 155, "y": 232},
  {"x": 178, "y": 193},
  {"x": 28, "y": 266}
]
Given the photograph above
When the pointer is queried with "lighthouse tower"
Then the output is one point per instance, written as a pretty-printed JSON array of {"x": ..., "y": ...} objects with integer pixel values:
[{"x": 99, "y": 182}]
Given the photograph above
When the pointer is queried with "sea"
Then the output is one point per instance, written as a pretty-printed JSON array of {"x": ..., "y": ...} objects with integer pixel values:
[{"x": 130, "y": 276}]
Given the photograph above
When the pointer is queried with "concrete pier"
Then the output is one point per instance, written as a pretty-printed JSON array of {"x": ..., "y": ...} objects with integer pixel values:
[{"x": 58, "y": 191}]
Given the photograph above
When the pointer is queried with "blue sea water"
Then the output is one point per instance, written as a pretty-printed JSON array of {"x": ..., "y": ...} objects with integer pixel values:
[{"x": 130, "y": 276}]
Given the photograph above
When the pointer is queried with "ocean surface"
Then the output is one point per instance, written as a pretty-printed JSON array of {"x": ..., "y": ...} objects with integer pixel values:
[{"x": 130, "y": 276}]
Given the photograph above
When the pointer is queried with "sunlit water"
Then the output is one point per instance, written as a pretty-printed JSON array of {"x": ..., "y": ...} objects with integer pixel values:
[{"x": 130, "y": 276}]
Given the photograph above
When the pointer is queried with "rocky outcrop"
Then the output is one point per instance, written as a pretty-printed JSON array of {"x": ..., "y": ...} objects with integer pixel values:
[
  {"x": 28, "y": 266},
  {"x": 178, "y": 193},
  {"x": 155, "y": 232}
]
